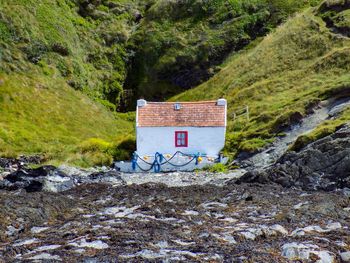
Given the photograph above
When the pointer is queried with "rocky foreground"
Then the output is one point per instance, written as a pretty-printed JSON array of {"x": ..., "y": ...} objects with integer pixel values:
[
  {"x": 152, "y": 222},
  {"x": 297, "y": 209}
]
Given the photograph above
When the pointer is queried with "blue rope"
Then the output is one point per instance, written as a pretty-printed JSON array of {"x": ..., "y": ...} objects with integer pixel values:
[
  {"x": 158, "y": 161},
  {"x": 144, "y": 170}
]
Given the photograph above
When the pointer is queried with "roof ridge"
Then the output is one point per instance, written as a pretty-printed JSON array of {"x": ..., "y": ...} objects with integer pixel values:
[{"x": 184, "y": 102}]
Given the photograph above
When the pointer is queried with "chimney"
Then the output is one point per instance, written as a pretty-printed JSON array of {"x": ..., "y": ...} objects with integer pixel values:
[
  {"x": 221, "y": 102},
  {"x": 141, "y": 103}
]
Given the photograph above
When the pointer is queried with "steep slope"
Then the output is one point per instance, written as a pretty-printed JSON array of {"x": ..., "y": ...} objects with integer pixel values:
[
  {"x": 281, "y": 80},
  {"x": 82, "y": 41},
  {"x": 90, "y": 58},
  {"x": 42, "y": 115},
  {"x": 62, "y": 67},
  {"x": 180, "y": 44}
]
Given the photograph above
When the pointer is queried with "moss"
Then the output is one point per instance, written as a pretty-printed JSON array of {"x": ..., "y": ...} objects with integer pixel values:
[
  {"x": 326, "y": 128},
  {"x": 217, "y": 168}
]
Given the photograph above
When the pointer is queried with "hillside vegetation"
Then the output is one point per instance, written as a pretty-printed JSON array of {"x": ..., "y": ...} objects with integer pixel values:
[
  {"x": 180, "y": 44},
  {"x": 69, "y": 67},
  {"x": 283, "y": 77},
  {"x": 38, "y": 117},
  {"x": 62, "y": 67}
]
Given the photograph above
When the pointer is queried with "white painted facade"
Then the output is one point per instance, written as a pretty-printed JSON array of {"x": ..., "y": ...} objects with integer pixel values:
[{"x": 204, "y": 140}]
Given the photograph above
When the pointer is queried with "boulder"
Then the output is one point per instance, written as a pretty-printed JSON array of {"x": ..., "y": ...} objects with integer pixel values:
[
  {"x": 51, "y": 179},
  {"x": 305, "y": 251},
  {"x": 28, "y": 179}
]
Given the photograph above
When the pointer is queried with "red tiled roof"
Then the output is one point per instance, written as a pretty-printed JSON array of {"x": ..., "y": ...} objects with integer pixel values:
[{"x": 191, "y": 114}]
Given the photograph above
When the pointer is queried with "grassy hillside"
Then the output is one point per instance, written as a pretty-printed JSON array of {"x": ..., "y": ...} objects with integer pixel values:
[
  {"x": 282, "y": 78},
  {"x": 68, "y": 66},
  {"x": 43, "y": 115},
  {"x": 62, "y": 68},
  {"x": 180, "y": 44},
  {"x": 84, "y": 41}
]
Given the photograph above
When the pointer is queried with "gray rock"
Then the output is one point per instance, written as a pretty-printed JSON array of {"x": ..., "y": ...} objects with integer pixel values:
[
  {"x": 345, "y": 256},
  {"x": 324, "y": 165},
  {"x": 299, "y": 251},
  {"x": 296, "y": 251},
  {"x": 346, "y": 192}
]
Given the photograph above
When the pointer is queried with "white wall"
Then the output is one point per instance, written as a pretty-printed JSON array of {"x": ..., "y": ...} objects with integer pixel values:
[{"x": 206, "y": 140}]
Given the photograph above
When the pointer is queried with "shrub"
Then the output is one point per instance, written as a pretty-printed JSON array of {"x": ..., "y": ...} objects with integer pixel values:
[
  {"x": 125, "y": 148},
  {"x": 5, "y": 34},
  {"x": 96, "y": 151},
  {"x": 94, "y": 145},
  {"x": 217, "y": 168}
]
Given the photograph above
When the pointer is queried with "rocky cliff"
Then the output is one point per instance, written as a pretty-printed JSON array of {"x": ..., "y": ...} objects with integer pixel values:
[{"x": 322, "y": 165}]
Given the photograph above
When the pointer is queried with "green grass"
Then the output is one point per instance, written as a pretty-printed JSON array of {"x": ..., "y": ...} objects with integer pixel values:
[
  {"x": 180, "y": 44},
  {"x": 42, "y": 115},
  {"x": 296, "y": 66},
  {"x": 88, "y": 52}
]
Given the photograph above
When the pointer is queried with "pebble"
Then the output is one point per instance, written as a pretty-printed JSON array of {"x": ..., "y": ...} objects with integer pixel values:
[
  {"x": 346, "y": 192},
  {"x": 280, "y": 229},
  {"x": 297, "y": 251},
  {"x": 212, "y": 205},
  {"x": 37, "y": 229},
  {"x": 45, "y": 256},
  {"x": 298, "y": 206},
  {"x": 26, "y": 242},
  {"x": 49, "y": 247},
  {"x": 325, "y": 256},
  {"x": 190, "y": 213},
  {"x": 317, "y": 229},
  {"x": 98, "y": 244},
  {"x": 183, "y": 243}
]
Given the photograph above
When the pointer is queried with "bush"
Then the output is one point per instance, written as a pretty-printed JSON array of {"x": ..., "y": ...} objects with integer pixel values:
[
  {"x": 217, "y": 168},
  {"x": 320, "y": 132},
  {"x": 94, "y": 145},
  {"x": 5, "y": 34},
  {"x": 125, "y": 148},
  {"x": 96, "y": 151}
]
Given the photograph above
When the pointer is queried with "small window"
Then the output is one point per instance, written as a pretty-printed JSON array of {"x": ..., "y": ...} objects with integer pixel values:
[{"x": 181, "y": 139}]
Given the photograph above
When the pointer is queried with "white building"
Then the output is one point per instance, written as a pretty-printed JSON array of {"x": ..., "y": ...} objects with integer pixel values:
[{"x": 188, "y": 127}]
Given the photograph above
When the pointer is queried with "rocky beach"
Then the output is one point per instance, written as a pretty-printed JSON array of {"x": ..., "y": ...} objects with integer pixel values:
[{"x": 271, "y": 214}]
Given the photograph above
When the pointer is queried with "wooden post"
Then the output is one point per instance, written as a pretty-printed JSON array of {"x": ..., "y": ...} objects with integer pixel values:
[{"x": 247, "y": 110}]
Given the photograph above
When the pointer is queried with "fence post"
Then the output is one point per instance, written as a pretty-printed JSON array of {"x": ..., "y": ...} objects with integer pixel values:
[{"x": 247, "y": 110}]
